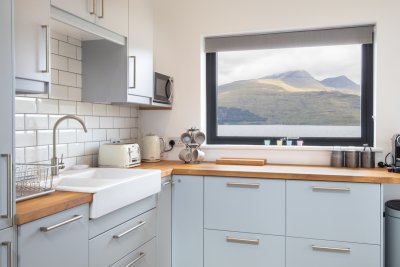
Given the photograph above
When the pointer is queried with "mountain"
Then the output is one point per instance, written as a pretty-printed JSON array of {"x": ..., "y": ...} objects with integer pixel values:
[
  {"x": 341, "y": 82},
  {"x": 297, "y": 78}
]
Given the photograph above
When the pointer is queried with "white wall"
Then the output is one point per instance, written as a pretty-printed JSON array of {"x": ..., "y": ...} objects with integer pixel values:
[{"x": 181, "y": 24}]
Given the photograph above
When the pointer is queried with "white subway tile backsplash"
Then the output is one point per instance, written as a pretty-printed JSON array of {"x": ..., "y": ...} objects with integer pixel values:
[
  {"x": 59, "y": 36},
  {"x": 58, "y": 92},
  {"x": 69, "y": 162},
  {"x": 59, "y": 62},
  {"x": 92, "y": 148},
  {"x": 134, "y": 112},
  {"x": 20, "y": 155},
  {"x": 37, "y": 153},
  {"x": 47, "y": 106},
  {"x": 74, "y": 94},
  {"x": 19, "y": 122},
  {"x": 113, "y": 135},
  {"x": 74, "y": 66},
  {"x": 67, "y": 78},
  {"x": 92, "y": 122},
  {"x": 125, "y": 112},
  {"x": 125, "y": 134},
  {"x": 79, "y": 53},
  {"x": 112, "y": 110},
  {"x": 85, "y": 160},
  {"x": 99, "y": 110},
  {"x": 74, "y": 41},
  {"x": 118, "y": 122},
  {"x": 54, "y": 76},
  {"x": 44, "y": 137},
  {"x": 76, "y": 150},
  {"x": 66, "y": 136},
  {"x": 61, "y": 150},
  {"x": 67, "y": 107},
  {"x": 25, "y": 105},
  {"x": 25, "y": 138},
  {"x": 54, "y": 46},
  {"x": 73, "y": 124},
  {"x": 84, "y": 108},
  {"x": 67, "y": 50},
  {"x": 99, "y": 134},
  {"x": 79, "y": 80},
  {"x": 36, "y": 122},
  {"x": 134, "y": 133},
  {"x": 54, "y": 118},
  {"x": 82, "y": 137},
  {"x": 106, "y": 122}
]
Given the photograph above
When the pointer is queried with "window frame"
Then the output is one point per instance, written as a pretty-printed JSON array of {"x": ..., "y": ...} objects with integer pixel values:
[{"x": 367, "y": 120}]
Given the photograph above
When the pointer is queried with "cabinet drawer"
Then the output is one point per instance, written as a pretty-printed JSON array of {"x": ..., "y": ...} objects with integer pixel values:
[
  {"x": 245, "y": 205},
  {"x": 233, "y": 249},
  {"x": 114, "y": 244},
  {"x": 144, "y": 256},
  {"x": 334, "y": 211},
  {"x": 317, "y": 253}
]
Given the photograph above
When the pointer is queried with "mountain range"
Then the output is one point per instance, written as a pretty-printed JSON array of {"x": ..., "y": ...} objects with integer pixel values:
[{"x": 290, "y": 98}]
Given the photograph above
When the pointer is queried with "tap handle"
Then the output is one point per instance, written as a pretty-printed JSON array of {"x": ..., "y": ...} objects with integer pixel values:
[{"x": 61, "y": 164}]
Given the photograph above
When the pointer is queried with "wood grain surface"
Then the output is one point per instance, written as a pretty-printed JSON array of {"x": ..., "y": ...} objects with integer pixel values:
[{"x": 241, "y": 161}]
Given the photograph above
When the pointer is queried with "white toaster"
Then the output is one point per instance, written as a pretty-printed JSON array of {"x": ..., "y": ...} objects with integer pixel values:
[{"x": 119, "y": 155}]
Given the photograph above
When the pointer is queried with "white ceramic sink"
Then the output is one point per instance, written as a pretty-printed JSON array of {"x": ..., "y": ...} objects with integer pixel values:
[{"x": 112, "y": 188}]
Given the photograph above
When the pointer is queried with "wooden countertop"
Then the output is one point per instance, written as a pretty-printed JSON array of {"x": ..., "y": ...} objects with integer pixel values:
[
  {"x": 270, "y": 171},
  {"x": 36, "y": 208},
  {"x": 33, "y": 209}
]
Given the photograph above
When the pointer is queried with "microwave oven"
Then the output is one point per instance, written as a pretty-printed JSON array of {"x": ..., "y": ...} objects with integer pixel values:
[{"x": 163, "y": 88}]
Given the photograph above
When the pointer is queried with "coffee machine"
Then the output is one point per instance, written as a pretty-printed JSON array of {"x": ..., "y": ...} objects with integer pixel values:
[{"x": 396, "y": 150}]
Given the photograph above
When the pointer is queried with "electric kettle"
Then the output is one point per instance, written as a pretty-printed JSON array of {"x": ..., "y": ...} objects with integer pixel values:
[{"x": 152, "y": 146}]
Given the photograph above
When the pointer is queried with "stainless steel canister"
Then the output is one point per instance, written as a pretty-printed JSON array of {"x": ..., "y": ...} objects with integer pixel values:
[
  {"x": 368, "y": 158},
  {"x": 352, "y": 159},
  {"x": 337, "y": 158}
]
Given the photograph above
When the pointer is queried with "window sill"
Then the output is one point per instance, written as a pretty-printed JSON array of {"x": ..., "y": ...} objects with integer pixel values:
[{"x": 284, "y": 148}]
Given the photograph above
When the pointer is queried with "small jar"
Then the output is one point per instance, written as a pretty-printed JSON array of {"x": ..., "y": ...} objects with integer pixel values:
[
  {"x": 337, "y": 158},
  {"x": 352, "y": 159}
]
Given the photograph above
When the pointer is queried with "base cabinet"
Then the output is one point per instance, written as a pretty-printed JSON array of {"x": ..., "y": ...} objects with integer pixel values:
[
  {"x": 144, "y": 256},
  {"x": 6, "y": 248},
  {"x": 58, "y": 240}
]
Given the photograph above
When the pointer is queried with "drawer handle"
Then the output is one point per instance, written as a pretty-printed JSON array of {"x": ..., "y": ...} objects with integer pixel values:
[
  {"x": 9, "y": 186},
  {"x": 242, "y": 241},
  {"x": 339, "y": 189},
  {"x": 49, "y": 228},
  {"x": 243, "y": 185},
  {"x": 141, "y": 256},
  {"x": 330, "y": 249},
  {"x": 167, "y": 183},
  {"x": 130, "y": 230},
  {"x": 9, "y": 253}
]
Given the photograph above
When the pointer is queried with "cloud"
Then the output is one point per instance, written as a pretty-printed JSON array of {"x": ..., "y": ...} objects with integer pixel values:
[{"x": 321, "y": 62}]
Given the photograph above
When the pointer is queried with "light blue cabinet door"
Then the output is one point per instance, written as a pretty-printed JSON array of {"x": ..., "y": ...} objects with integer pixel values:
[
  {"x": 319, "y": 253},
  {"x": 187, "y": 221},
  {"x": 164, "y": 224},
  {"x": 6, "y": 113},
  {"x": 63, "y": 246},
  {"x": 144, "y": 256},
  {"x": 6, "y": 248},
  {"x": 244, "y": 205},
  {"x": 334, "y": 211},
  {"x": 232, "y": 249}
]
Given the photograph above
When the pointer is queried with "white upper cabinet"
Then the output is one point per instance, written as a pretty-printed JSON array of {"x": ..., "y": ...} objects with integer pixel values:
[
  {"x": 84, "y": 9},
  {"x": 140, "y": 43},
  {"x": 113, "y": 15},
  {"x": 32, "y": 50}
]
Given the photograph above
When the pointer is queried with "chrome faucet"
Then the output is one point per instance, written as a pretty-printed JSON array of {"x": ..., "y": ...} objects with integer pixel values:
[{"x": 56, "y": 166}]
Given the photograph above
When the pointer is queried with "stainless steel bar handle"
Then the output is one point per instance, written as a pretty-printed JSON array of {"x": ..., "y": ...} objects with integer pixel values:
[
  {"x": 49, "y": 228},
  {"x": 47, "y": 36},
  {"x": 92, "y": 5},
  {"x": 130, "y": 230},
  {"x": 9, "y": 186},
  {"x": 331, "y": 249},
  {"x": 102, "y": 10},
  {"x": 243, "y": 185},
  {"x": 166, "y": 183},
  {"x": 9, "y": 253},
  {"x": 132, "y": 69},
  {"x": 141, "y": 255},
  {"x": 323, "y": 188},
  {"x": 242, "y": 241}
]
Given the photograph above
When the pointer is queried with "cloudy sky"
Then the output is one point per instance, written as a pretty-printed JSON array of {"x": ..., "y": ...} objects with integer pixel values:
[{"x": 321, "y": 62}]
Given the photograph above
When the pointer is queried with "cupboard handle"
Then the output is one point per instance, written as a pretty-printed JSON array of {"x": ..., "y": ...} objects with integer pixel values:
[
  {"x": 166, "y": 183},
  {"x": 130, "y": 230},
  {"x": 141, "y": 255},
  {"x": 242, "y": 241},
  {"x": 93, "y": 6},
  {"x": 9, "y": 253},
  {"x": 243, "y": 185},
  {"x": 330, "y": 249},
  {"x": 132, "y": 69},
  {"x": 47, "y": 36},
  {"x": 322, "y": 188},
  {"x": 9, "y": 186},
  {"x": 49, "y": 228},
  {"x": 102, "y": 10}
]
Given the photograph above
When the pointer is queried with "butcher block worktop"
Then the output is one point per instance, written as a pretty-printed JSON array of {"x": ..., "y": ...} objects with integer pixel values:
[{"x": 40, "y": 207}]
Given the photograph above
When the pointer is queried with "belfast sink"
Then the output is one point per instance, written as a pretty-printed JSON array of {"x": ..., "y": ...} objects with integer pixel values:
[{"x": 112, "y": 188}]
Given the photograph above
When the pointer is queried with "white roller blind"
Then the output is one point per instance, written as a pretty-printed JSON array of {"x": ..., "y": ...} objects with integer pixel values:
[{"x": 337, "y": 36}]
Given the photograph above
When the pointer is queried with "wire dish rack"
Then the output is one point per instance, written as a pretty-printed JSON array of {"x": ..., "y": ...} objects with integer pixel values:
[{"x": 32, "y": 180}]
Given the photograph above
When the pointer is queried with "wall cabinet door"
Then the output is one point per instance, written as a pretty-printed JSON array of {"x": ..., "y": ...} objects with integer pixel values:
[
  {"x": 164, "y": 225},
  {"x": 6, "y": 248},
  {"x": 6, "y": 114},
  {"x": 113, "y": 15},
  {"x": 60, "y": 240},
  {"x": 32, "y": 49},
  {"x": 84, "y": 9},
  {"x": 140, "y": 42}
]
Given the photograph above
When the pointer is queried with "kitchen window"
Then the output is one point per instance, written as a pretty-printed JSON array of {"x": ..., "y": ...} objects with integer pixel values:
[{"x": 314, "y": 85}]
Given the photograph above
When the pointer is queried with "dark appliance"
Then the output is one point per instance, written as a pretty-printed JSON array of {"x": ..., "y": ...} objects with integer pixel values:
[
  {"x": 163, "y": 88},
  {"x": 396, "y": 150}
]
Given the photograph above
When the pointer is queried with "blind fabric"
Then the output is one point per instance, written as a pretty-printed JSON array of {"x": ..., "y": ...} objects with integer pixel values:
[{"x": 323, "y": 37}]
